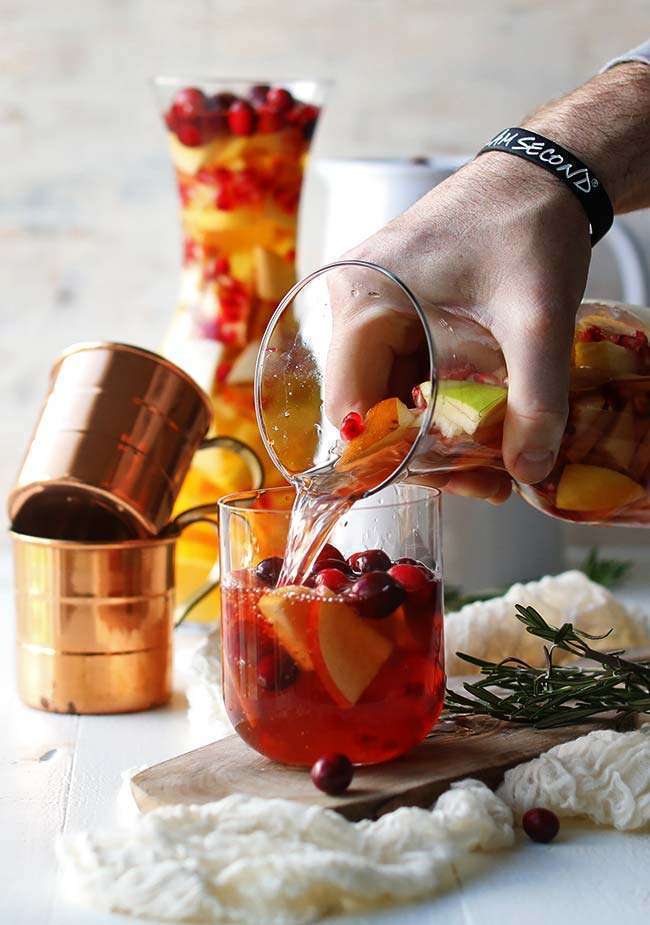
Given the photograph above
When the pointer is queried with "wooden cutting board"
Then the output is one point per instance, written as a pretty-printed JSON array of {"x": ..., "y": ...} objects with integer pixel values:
[{"x": 479, "y": 747}]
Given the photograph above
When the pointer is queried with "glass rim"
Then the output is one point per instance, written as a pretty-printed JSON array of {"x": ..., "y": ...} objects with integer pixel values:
[
  {"x": 173, "y": 80},
  {"x": 270, "y": 329},
  {"x": 230, "y": 501}
]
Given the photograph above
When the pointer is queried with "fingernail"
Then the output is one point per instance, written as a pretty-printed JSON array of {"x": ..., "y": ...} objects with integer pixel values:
[{"x": 533, "y": 465}]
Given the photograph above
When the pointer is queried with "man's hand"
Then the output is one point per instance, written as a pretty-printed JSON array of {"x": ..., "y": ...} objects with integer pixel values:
[{"x": 504, "y": 244}]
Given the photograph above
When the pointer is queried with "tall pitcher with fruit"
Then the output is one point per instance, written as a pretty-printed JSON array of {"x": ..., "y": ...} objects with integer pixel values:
[{"x": 239, "y": 151}]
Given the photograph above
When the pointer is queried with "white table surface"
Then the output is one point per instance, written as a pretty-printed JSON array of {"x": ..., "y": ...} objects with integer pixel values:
[{"x": 63, "y": 773}]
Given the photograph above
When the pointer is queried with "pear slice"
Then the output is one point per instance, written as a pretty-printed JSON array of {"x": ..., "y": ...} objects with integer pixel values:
[
  {"x": 462, "y": 406},
  {"x": 604, "y": 357},
  {"x": 588, "y": 420}
]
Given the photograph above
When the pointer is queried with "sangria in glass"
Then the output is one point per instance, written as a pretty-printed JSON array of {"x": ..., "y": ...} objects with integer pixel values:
[{"x": 351, "y": 660}]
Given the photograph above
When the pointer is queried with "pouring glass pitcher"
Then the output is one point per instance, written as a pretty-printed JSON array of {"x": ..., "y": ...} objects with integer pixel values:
[{"x": 450, "y": 414}]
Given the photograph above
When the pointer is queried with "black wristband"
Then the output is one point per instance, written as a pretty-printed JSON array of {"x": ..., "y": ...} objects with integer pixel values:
[{"x": 566, "y": 167}]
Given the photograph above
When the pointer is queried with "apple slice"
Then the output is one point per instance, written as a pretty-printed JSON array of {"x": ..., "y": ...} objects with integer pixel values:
[
  {"x": 595, "y": 488},
  {"x": 616, "y": 449},
  {"x": 588, "y": 421},
  {"x": 385, "y": 423},
  {"x": 288, "y": 610},
  {"x": 605, "y": 357},
  {"x": 346, "y": 651},
  {"x": 274, "y": 276},
  {"x": 462, "y": 406}
]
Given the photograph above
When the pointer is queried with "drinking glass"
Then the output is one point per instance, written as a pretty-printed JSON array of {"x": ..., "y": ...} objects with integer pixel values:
[{"x": 352, "y": 659}]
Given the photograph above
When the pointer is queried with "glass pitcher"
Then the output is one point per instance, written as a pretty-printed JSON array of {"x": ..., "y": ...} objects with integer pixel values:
[
  {"x": 239, "y": 151},
  {"x": 449, "y": 414}
]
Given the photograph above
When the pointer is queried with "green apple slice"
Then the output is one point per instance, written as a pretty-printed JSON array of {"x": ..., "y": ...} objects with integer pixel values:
[{"x": 462, "y": 406}]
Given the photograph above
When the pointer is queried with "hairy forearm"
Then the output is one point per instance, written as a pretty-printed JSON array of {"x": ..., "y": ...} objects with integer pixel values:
[{"x": 606, "y": 122}]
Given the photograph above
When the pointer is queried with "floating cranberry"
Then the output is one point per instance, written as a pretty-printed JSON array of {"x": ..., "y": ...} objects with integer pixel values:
[
  {"x": 351, "y": 426},
  {"x": 189, "y": 135},
  {"x": 340, "y": 564},
  {"x": 268, "y": 570},
  {"x": 279, "y": 100},
  {"x": 407, "y": 560},
  {"x": 276, "y": 672},
  {"x": 222, "y": 100},
  {"x": 376, "y": 595},
  {"x": 332, "y": 773},
  {"x": 329, "y": 552},
  {"x": 541, "y": 825},
  {"x": 331, "y": 578},
  {"x": 304, "y": 115},
  {"x": 241, "y": 118},
  {"x": 257, "y": 94},
  {"x": 370, "y": 560},
  {"x": 412, "y": 578},
  {"x": 190, "y": 103}
]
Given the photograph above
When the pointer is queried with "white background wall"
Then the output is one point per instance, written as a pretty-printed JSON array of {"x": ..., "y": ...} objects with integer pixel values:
[{"x": 88, "y": 235}]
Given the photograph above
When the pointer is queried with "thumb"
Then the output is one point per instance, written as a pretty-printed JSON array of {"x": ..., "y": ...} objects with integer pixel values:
[{"x": 538, "y": 361}]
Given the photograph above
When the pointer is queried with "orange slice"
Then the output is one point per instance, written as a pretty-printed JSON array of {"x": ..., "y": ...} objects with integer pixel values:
[
  {"x": 595, "y": 488},
  {"x": 384, "y": 424}
]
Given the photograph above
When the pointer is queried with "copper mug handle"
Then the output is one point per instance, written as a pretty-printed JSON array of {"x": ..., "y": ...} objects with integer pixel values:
[{"x": 201, "y": 514}]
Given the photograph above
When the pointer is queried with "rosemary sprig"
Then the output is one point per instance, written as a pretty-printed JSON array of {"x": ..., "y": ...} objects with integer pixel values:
[
  {"x": 606, "y": 572},
  {"x": 556, "y": 695}
]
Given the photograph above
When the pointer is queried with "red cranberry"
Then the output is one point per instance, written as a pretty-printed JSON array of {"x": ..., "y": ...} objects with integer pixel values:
[
  {"x": 352, "y": 425},
  {"x": 370, "y": 560},
  {"x": 268, "y": 121},
  {"x": 276, "y": 672},
  {"x": 407, "y": 560},
  {"x": 258, "y": 93},
  {"x": 215, "y": 123},
  {"x": 376, "y": 595},
  {"x": 190, "y": 103},
  {"x": 541, "y": 825},
  {"x": 419, "y": 400},
  {"x": 241, "y": 118},
  {"x": 279, "y": 100},
  {"x": 189, "y": 135},
  {"x": 331, "y": 578},
  {"x": 222, "y": 100},
  {"x": 268, "y": 570},
  {"x": 329, "y": 552},
  {"x": 411, "y": 577},
  {"x": 340, "y": 564},
  {"x": 332, "y": 773}
]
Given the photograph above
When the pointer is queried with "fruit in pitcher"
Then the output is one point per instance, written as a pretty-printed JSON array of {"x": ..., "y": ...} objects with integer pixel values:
[
  {"x": 595, "y": 488},
  {"x": 346, "y": 651},
  {"x": 385, "y": 423},
  {"x": 462, "y": 406},
  {"x": 268, "y": 570},
  {"x": 588, "y": 420},
  {"x": 287, "y": 610},
  {"x": 604, "y": 356},
  {"x": 616, "y": 449}
]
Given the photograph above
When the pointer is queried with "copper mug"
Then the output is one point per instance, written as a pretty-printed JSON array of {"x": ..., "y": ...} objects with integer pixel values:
[
  {"x": 95, "y": 620},
  {"x": 113, "y": 443}
]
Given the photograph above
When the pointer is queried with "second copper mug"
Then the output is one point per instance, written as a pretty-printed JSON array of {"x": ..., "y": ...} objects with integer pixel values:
[
  {"x": 94, "y": 620},
  {"x": 112, "y": 446}
]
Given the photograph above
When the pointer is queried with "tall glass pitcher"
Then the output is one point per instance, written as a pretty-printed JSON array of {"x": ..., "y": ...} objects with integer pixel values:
[{"x": 239, "y": 151}]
